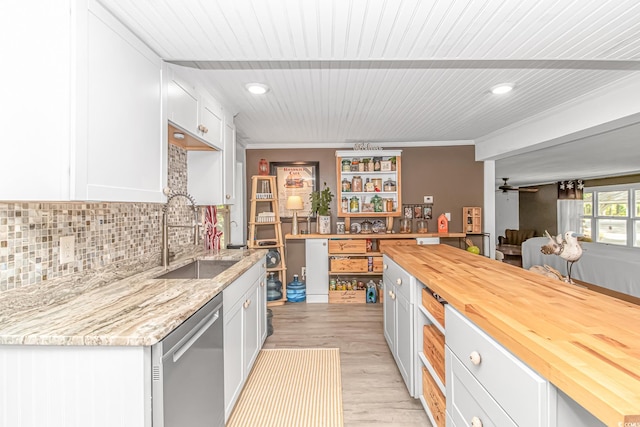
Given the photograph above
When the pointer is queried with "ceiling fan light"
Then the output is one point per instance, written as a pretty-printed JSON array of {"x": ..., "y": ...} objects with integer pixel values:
[
  {"x": 257, "y": 88},
  {"x": 502, "y": 88}
]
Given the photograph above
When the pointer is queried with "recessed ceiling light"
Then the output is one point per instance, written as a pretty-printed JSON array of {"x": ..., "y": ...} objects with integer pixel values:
[
  {"x": 502, "y": 88},
  {"x": 257, "y": 88}
]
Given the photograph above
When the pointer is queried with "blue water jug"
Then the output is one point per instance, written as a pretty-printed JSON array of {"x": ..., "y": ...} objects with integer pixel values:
[
  {"x": 274, "y": 288},
  {"x": 296, "y": 290},
  {"x": 372, "y": 292}
]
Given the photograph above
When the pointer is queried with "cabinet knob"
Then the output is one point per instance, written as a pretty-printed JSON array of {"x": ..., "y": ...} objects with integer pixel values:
[
  {"x": 262, "y": 283},
  {"x": 264, "y": 265},
  {"x": 475, "y": 359},
  {"x": 228, "y": 196},
  {"x": 385, "y": 266},
  {"x": 392, "y": 295},
  {"x": 247, "y": 303},
  {"x": 476, "y": 422},
  {"x": 398, "y": 281},
  {"x": 324, "y": 243}
]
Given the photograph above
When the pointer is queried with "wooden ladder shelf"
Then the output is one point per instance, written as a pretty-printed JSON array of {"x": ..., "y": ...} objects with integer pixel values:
[{"x": 265, "y": 220}]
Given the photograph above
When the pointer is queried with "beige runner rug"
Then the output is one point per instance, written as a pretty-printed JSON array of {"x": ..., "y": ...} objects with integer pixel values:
[{"x": 291, "y": 387}]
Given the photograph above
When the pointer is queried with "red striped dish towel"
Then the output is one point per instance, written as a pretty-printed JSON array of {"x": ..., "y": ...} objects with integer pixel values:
[{"x": 212, "y": 234}]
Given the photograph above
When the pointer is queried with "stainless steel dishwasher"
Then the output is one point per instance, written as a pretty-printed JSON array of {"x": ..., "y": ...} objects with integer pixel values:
[{"x": 188, "y": 372}]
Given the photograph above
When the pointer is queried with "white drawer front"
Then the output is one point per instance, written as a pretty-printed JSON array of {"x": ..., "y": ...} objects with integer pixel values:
[
  {"x": 399, "y": 278},
  {"x": 242, "y": 284},
  {"x": 467, "y": 399},
  {"x": 518, "y": 389}
]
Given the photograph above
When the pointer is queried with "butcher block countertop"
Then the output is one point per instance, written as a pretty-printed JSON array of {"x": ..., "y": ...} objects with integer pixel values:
[
  {"x": 585, "y": 343},
  {"x": 119, "y": 306}
]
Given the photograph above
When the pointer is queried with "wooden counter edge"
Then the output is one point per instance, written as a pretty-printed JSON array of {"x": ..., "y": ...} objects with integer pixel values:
[{"x": 289, "y": 236}]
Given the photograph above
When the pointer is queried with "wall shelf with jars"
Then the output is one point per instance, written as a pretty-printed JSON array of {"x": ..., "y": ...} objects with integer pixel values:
[{"x": 369, "y": 184}]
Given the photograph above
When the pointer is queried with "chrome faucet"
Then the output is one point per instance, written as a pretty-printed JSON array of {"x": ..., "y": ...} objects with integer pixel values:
[{"x": 165, "y": 223}]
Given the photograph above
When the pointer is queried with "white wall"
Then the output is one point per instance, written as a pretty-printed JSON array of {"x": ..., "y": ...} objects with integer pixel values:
[{"x": 507, "y": 211}]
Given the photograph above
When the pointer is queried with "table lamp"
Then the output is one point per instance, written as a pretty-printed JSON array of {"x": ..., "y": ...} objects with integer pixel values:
[{"x": 294, "y": 203}]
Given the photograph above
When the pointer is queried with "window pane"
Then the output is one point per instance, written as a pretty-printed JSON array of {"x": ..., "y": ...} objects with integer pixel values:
[
  {"x": 587, "y": 206},
  {"x": 612, "y": 231},
  {"x": 586, "y": 228},
  {"x": 637, "y": 203},
  {"x": 613, "y": 203},
  {"x": 636, "y": 242}
]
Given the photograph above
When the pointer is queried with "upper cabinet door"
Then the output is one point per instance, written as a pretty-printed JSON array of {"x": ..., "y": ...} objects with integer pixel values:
[
  {"x": 229, "y": 156},
  {"x": 210, "y": 127},
  {"x": 85, "y": 112},
  {"x": 123, "y": 155},
  {"x": 182, "y": 101}
]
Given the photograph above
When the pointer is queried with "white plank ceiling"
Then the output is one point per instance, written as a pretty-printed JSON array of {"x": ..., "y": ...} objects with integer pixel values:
[{"x": 405, "y": 71}]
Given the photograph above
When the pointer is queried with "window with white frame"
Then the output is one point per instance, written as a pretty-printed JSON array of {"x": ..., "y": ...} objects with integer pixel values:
[{"x": 612, "y": 214}]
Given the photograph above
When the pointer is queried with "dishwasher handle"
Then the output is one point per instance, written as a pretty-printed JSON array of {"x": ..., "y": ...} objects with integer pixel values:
[{"x": 186, "y": 346}]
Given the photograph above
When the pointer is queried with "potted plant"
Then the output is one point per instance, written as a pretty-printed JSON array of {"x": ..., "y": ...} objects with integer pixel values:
[
  {"x": 393, "y": 162},
  {"x": 320, "y": 205},
  {"x": 368, "y": 165}
]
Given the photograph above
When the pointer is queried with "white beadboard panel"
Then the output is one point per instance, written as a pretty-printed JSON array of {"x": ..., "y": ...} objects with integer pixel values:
[
  {"x": 74, "y": 386},
  {"x": 349, "y": 102},
  {"x": 375, "y": 29}
]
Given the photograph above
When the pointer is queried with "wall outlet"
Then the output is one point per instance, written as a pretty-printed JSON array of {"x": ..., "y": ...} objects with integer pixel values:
[
  {"x": 304, "y": 272},
  {"x": 428, "y": 199},
  {"x": 448, "y": 216},
  {"x": 67, "y": 249}
]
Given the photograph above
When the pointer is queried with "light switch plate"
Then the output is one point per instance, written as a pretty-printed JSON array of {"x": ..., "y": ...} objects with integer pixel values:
[
  {"x": 448, "y": 216},
  {"x": 67, "y": 249}
]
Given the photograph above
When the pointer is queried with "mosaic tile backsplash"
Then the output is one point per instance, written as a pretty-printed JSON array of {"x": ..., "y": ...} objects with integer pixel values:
[{"x": 104, "y": 232}]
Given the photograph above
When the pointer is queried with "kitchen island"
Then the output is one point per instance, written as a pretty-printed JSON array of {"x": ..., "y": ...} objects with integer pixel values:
[
  {"x": 584, "y": 343},
  {"x": 77, "y": 351}
]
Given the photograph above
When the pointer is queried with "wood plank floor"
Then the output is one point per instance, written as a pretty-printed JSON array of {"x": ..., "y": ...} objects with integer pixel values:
[{"x": 373, "y": 391}]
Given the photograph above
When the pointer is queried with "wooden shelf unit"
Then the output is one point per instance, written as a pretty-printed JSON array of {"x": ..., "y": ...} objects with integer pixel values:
[
  {"x": 472, "y": 219},
  {"x": 264, "y": 199},
  {"x": 363, "y": 196}
]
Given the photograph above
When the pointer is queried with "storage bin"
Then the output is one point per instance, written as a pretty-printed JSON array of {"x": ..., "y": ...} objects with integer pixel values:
[
  {"x": 348, "y": 246},
  {"x": 433, "y": 306},
  {"x": 434, "y": 398},
  {"x": 433, "y": 348},
  {"x": 353, "y": 265}
]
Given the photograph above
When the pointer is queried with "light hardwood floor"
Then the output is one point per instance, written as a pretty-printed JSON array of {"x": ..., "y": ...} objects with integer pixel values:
[{"x": 373, "y": 391}]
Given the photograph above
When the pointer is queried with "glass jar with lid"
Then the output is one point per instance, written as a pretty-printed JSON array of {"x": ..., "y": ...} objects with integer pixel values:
[
  {"x": 346, "y": 185},
  {"x": 421, "y": 226},
  {"x": 354, "y": 204},
  {"x": 389, "y": 185},
  {"x": 356, "y": 184},
  {"x": 346, "y": 165},
  {"x": 405, "y": 225}
]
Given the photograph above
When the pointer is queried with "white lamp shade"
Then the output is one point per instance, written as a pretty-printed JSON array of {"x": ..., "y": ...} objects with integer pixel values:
[{"x": 294, "y": 203}]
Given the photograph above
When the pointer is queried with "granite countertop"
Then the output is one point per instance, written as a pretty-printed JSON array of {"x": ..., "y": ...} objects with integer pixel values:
[
  {"x": 585, "y": 343},
  {"x": 119, "y": 306}
]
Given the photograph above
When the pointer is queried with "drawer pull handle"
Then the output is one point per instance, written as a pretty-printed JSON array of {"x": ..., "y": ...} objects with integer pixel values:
[
  {"x": 476, "y": 422},
  {"x": 475, "y": 359},
  {"x": 399, "y": 281}
]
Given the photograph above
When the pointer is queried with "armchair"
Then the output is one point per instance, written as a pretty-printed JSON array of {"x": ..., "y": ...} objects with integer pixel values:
[{"x": 515, "y": 237}]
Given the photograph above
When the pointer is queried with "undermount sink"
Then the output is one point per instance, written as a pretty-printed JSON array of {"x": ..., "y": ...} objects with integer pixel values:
[{"x": 200, "y": 269}]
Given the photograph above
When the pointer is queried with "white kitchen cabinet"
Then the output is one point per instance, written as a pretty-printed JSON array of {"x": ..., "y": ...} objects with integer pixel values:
[
  {"x": 205, "y": 176},
  {"x": 398, "y": 319},
  {"x": 317, "y": 276},
  {"x": 88, "y": 126},
  {"x": 183, "y": 102},
  {"x": 229, "y": 159},
  {"x": 210, "y": 121},
  {"x": 245, "y": 319},
  {"x": 483, "y": 375},
  {"x": 191, "y": 108}
]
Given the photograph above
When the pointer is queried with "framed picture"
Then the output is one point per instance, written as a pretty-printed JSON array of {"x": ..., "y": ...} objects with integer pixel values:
[
  {"x": 417, "y": 211},
  {"x": 427, "y": 212},
  {"x": 295, "y": 179}
]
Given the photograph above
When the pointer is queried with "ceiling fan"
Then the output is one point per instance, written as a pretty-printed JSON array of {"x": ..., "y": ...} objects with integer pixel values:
[{"x": 506, "y": 187}]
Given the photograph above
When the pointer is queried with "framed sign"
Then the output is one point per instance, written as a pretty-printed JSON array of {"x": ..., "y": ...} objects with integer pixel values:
[{"x": 295, "y": 179}]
